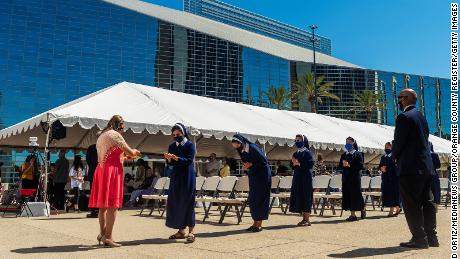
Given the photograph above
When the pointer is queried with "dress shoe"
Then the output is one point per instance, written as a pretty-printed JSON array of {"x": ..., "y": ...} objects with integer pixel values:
[
  {"x": 415, "y": 244},
  {"x": 433, "y": 241}
]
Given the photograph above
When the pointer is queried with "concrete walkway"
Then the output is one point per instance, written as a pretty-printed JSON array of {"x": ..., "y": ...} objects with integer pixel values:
[{"x": 74, "y": 236}]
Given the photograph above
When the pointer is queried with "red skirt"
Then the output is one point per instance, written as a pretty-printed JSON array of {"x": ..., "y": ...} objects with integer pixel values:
[{"x": 107, "y": 187}]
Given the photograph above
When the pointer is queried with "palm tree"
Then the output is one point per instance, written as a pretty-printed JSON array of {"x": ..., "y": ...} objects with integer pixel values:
[
  {"x": 249, "y": 98},
  {"x": 278, "y": 97},
  {"x": 368, "y": 101},
  {"x": 260, "y": 95},
  {"x": 306, "y": 87}
]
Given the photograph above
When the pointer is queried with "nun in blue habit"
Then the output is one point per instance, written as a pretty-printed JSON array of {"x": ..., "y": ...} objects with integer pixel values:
[
  {"x": 181, "y": 194},
  {"x": 351, "y": 164},
  {"x": 390, "y": 182},
  {"x": 259, "y": 175},
  {"x": 302, "y": 183}
]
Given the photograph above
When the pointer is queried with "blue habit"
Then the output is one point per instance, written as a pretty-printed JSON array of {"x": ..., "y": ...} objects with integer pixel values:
[
  {"x": 302, "y": 183},
  {"x": 351, "y": 181},
  {"x": 259, "y": 181},
  {"x": 435, "y": 183},
  {"x": 181, "y": 194},
  {"x": 390, "y": 182}
]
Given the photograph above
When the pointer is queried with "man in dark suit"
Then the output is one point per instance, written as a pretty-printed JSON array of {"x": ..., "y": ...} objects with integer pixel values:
[
  {"x": 411, "y": 152},
  {"x": 91, "y": 160}
]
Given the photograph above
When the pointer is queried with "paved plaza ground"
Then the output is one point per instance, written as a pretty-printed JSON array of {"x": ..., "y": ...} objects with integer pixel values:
[{"x": 72, "y": 235}]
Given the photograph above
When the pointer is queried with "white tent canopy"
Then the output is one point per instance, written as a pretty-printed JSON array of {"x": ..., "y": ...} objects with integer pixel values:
[{"x": 150, "y": 112}]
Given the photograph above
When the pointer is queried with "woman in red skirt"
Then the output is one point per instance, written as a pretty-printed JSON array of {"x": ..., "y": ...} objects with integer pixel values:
[{"x": 107, "y": 188}]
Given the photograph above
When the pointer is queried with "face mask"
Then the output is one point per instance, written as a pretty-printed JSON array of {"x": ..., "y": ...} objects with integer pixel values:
[
  {"x": 387, "y": 151},
  {"x": 179, "y": 139},
  {"x": 240, "y": 148},
  {"x": 348, "y": 147},
  {"x": 299, "y": 144},
  {"x": 401, "y": 107}
]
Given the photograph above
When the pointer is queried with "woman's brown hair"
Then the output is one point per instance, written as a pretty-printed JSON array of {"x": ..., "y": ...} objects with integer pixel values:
[{"x": 114, "y": 123}]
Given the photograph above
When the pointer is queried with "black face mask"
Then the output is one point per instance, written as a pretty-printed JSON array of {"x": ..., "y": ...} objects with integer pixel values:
[
  {"x": 179, "y": 139},
  {"x": 401, "y": 107}
]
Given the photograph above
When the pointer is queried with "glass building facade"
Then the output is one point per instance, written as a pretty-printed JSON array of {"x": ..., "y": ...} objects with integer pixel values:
[
  {"x": 235, "y": 16},
  {"x": 52, "y": 52}
]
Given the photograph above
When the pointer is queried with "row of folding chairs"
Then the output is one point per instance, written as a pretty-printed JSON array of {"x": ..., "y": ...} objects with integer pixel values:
[
  {"x": 329, "y": 193},
  {"x": 231, "y": 192},
  {"x": 227, "y": 192}
]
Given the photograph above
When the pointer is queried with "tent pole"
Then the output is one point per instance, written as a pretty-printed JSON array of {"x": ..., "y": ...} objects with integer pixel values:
[
  {"x": 45, "y": 196},
  {"x": 196, "y": 152}
]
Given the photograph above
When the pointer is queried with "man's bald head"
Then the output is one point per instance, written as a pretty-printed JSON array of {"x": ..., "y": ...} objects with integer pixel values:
[{"x": 407, "y": 97}]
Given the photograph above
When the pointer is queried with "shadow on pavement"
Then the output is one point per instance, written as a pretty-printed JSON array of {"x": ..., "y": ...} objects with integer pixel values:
[
  {"x": 241, "y": 231},
  {"x": 59, "y": 218},
  {"x": 53, "y": 249},
  {"x": 83, "y": 248},
  {"x": 366, "y": 252}
]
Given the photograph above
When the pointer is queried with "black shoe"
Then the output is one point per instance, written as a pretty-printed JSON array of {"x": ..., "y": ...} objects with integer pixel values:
[
  {"x": 251, "y": 228},
  {"x": 352, "y": 218},
  {"x": 417, "y": 245},
  {"x": 256, "y": 229},
  {"x": 433, "y": 241},
  {"x": 91, "y": 215}
]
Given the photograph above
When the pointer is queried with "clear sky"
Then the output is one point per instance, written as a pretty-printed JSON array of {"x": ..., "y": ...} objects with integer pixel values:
[{"x": 409, "y": 36}]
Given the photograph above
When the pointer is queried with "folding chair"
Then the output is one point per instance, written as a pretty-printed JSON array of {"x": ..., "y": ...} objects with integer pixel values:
[
  {"x": 158, "y": 188},
  {"x": 375, "y": 191},
  {"x": 275, "y": 183},
  {"x": 239, "y": 199},
  {"x": 208, "y": 190},
  {"x": 161, "y": 197},
  {"x": 284, "y": 194},
  {"x": 275, "y": 189},
  {"x": 224, "y": 188},
  {"x": 9, "y": 202},
  {"x": 445, "y": 190},
  {"x": 332, "y": 196},
  {"x": 199, "y": 184},
  {"x": 365, "y": 185},
  {"x": 320, "y": 182},
  {"x": 26, "y": 195}
]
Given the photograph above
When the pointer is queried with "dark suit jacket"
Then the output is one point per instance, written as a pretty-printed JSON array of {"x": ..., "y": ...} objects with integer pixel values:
[
  {"x": 410, "y": 145},
  {"x": 91, "y": 160}
]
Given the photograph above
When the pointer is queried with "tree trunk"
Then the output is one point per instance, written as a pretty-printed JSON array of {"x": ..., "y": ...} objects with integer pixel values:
[
  {"x": 368, "y": 116},
  {"x": 313, "y": 106}
]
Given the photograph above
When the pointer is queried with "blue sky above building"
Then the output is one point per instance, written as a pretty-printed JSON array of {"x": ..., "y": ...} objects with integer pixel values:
[{"x": 402, "y": 36}]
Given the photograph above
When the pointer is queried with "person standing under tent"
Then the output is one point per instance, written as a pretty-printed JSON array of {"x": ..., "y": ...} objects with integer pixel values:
[
  {"x": 107, "y": 189},
  {"x": 302, "y": 183},
  {"x": 76, "y": 175},
  {"x": 61, "y": 179},
  {"x": 390, "y": 182},
  {"x": 27, "y": 176},
  {"x": 91, "y": 160},
  {"x": 351, "y": 164},
  {"x": 180, "y": 209},
  {"x": 435, "y": 183},
  {"x": 259, "y": 174}
]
